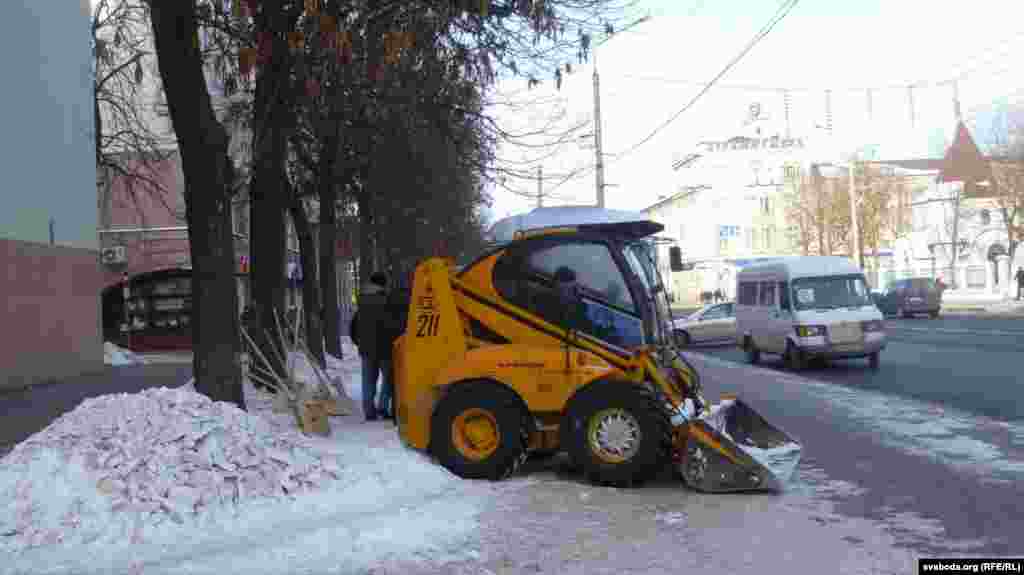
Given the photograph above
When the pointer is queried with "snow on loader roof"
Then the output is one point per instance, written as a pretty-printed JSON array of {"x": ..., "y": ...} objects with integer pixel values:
[{"x": 629, "y": 222}]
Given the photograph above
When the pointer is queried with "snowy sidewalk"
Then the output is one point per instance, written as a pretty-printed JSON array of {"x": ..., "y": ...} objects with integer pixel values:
[{"x": 166, "y": 482}]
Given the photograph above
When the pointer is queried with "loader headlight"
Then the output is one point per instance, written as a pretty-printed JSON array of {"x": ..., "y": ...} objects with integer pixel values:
[
  {"x": 810, "y": 330},
  {"x": 874, "y": 325}
]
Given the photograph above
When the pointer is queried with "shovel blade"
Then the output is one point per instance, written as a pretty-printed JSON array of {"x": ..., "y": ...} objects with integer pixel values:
[{"x": 732, "y": 448}]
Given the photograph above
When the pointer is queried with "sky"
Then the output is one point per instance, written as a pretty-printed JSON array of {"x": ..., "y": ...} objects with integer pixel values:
[{"x": 650, "y": 72}]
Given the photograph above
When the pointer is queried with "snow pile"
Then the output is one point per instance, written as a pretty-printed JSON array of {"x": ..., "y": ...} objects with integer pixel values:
[
  {"x": 715, "y": 416},
  {"x": 145, "y": 459},
  {"x": 114, "y": 355}
]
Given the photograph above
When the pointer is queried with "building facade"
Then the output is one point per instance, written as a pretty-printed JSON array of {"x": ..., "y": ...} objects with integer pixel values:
[
  {"x": 728, "y": 206},
  {"x": 983, "y": 270},
  {"x": 48, "y": 244}
]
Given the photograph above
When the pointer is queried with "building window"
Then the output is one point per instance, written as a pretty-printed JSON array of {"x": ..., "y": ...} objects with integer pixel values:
[
  {"x": 976, "y": 277},
  {"x": 723, "y": 246},
  {"x": 754, "y": 243},
  {"x": 986, "y": 217},
  {"x": 769, "y": 235},
  {"x": 750, "y": 238}
]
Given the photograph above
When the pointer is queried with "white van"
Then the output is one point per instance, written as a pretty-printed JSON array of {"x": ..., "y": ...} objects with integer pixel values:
[{"x": 805, "y": 308}]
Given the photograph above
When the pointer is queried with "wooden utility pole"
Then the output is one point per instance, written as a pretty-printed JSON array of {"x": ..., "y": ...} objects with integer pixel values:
[
  {"x": 854, "y": 224},
  {"x": 540, "y": 186}
]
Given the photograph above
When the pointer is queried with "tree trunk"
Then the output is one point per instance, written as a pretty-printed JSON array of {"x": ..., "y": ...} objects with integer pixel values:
[
  {"x": 365, "y": 235},
  {"x": 328, "y": 269},
  {"x": 271, "y": 117},
  {"x": 202, "y": 142},
  {"x": 310, "y": 298}
]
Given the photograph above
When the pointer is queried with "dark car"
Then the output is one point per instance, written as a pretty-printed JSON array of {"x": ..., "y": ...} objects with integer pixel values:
[{"x": 908, "y": 297}]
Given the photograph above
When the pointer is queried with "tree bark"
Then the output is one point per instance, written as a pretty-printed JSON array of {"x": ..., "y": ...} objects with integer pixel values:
[
  {"x": 310, "y": 298},
  {"x": 271, "y": 117},
  {"x": 328, "y": 268},
  {"x": 202, "y": 142}
]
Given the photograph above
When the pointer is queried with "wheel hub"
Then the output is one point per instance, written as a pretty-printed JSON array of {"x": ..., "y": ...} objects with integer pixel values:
[
  {"x": 475, "y": 434},
  {"x": 614, "y": 435}
]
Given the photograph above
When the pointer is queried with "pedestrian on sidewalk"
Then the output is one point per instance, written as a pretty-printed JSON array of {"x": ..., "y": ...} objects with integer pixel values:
[
  {"x": 398, "y": 307},
  {"x": 372, "y": 333},
  {"x": 1020, "y": 283}
]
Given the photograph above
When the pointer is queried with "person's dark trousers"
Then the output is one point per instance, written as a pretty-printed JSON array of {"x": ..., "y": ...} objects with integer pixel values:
[
  {"x": 371, "y": 370},
  {"x": 1020, "y": 291},
  {"x": 387, "y": 388}
]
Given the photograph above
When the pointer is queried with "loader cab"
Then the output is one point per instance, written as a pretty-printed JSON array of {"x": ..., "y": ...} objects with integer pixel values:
[{"x": 619, "y": 289}]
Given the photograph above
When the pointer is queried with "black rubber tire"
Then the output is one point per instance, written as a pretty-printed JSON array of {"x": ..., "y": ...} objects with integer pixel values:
[
  {"x": 507, "y": 410},
  {"x": 753, "y": 354},
  {"x": 655, "y": 433},
  {"x": 933, "y": 314},
  {"x": 682, "y": 338},
  {"x": 794, "y": 358},
  {"x": 874, "y": 360}
]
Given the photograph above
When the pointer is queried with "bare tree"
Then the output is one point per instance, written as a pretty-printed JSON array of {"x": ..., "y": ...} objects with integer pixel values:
[
  {"x": 1007, "y": 190},
  {"x": 130, "y": 146}
]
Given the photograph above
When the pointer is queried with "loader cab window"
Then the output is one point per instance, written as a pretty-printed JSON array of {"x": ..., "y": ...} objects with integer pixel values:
[
  {"x": 526, "y": 279},
  {"x": 596, "y": 271}
]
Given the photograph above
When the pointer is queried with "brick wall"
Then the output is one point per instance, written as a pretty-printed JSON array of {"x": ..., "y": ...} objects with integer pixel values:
[{"x": 51, "y": 314}]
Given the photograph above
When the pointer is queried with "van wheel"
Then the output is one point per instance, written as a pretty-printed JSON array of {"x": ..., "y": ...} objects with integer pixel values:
[
  {"x": 794, "y": 358},
  {"x": 753, "y": 354},
  {"x": 934, "y": 314},
  {"x": 874, "y": 360}
]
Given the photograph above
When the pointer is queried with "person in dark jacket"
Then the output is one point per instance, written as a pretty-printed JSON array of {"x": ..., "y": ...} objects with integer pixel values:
[
  {"x": 1020, "y": 282},
  {"x": 373, "y": 333}
]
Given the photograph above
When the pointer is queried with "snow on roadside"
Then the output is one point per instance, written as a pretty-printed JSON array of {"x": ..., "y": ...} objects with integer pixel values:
[
  {"x": 114, "y": 355},
  {"x": 144, "y": 459},
  {"x": 167, "y": 481}
]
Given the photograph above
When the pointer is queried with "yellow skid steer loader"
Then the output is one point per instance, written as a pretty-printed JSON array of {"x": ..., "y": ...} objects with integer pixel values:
[{"x": 558, "y": 338}]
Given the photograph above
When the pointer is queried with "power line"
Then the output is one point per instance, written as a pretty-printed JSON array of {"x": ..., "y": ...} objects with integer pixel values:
[
  {"x": 933, "y": 83},
  {"x": 785, "y": 10}
]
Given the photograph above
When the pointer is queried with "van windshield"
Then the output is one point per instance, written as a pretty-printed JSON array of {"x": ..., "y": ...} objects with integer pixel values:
[{"x": 830, "y": 292}]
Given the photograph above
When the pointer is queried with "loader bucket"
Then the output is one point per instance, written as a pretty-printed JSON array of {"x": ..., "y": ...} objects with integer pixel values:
[{"x": 732, "y": 448}]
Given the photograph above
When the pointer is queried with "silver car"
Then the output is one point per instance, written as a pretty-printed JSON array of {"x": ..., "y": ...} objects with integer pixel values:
[{"x": 713, "y": 323}]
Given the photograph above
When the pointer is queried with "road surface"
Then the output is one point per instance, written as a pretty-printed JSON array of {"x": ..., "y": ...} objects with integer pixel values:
[
  {"x": 27, "y": 411},
  {"x": 971, "y": 363},
  {"x": 884, "y": 481}
]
